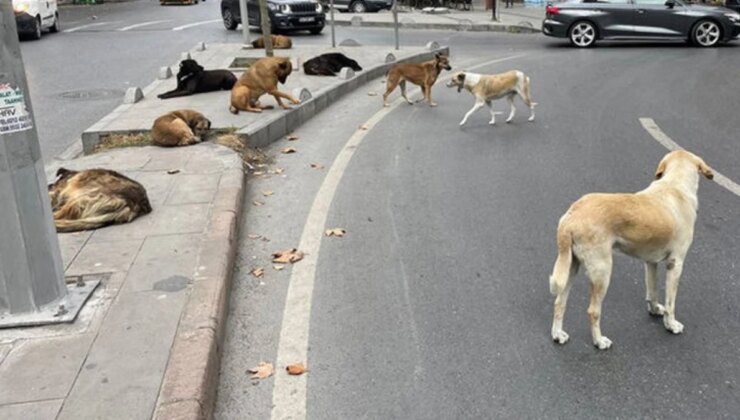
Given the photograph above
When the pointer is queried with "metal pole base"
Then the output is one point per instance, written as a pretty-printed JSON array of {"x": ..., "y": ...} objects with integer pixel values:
[{"x": 64, "y": 310}]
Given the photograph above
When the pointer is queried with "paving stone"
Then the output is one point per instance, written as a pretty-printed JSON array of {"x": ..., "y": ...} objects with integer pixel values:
[
  {"x": 98, "y": 258},
  {"x": 71, "y": 244},
  {"x": 4, "y": 350},
  {"x": 38, "y": 410},
  {"x": 42, "y": 369},
  {"x": 157, "y": 184},
  {"x": 123, "y": 371},
  {"x": 149, "y": 270},
  {"x": 163, "y": 220},
  {"x": 192, "y": 189}
]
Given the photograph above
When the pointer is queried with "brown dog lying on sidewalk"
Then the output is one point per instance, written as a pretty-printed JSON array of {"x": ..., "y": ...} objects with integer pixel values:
[
  {"x": 262, "y": 77},
  {"x": 95, "y": 198},
  {"x": 655, "y": 225},
  {"x": 279, "y": 42},
  {"x": 180, "y": 128},
  {"x": 424, "y": 75}
]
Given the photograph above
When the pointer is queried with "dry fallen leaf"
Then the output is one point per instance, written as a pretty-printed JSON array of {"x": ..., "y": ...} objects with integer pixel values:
[
  {"x": 254, "y": 236},
  {"x": 278, "y": 171},
  {"x": 257, "y": 272},
  {"x": 288, "y": 150},
  {"x": 258, "y": 173},
  {"x": 363, "y": 127},
  {"x": 372, "y": 94},
  {"x": 296, "y": 369},
  {"x": 173, "y": 171},
  {"x": 317, "y": 166},
  {"x": 263, "y": 371},
  {"x": 287, "y": 256},
  {"x": 267, "y": 193},
  {"x": 335, "y": 232},
  {"x": 258, "y": 203},
  {"x": 278, "y": 267},
  {"x": 292, "y": 137}
]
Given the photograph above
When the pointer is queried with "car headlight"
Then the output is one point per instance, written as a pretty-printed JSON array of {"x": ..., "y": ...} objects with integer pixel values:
[
  {"x": 20, "y": 7},
  {"x": 735, "y": 17},
  {"x": 319, "y": 8},
  {"x": 285, "y": 8}
]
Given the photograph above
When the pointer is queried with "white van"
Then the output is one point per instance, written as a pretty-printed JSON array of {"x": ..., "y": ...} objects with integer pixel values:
[{"x": 34, "y": 16}]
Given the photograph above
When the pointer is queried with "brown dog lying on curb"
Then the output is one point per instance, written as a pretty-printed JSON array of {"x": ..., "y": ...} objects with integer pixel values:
[
  {"x": 655, "y": 225},
  {"x": 424, "y": 75},
  {"x": 262, "y": 77},
  {"x": 279, "y": 42},
  {"x": 95, "y": 198},
  {"x": 180, "y": 128}
]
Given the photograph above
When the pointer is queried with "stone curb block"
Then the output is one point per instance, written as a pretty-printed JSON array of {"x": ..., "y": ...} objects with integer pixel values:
[
  {"x": 189, "y": 386},
  {"x": 475, "y": 27}
]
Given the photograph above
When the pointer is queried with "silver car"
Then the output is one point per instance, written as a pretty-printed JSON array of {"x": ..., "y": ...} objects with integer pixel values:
[{"x": 586, "y": 21}]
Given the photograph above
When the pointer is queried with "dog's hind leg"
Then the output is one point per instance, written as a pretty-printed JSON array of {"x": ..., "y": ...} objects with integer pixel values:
[
  {"x": 673, "y": 274},
  {"x": 391, "y": 84},
  {"x": 599, "y": 269},
  {"x": 651, "y": 289},
  {"x": 565, "y": 268},
  {"x": 524, "y": 93},
  {"x": 477, "y": 106},
  {"x": 512, "y": 112}
]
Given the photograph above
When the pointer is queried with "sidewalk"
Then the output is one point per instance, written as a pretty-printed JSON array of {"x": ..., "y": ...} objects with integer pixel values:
[
  {"x": 157, "y": 273},
  {"x": 519, "y": 19}
]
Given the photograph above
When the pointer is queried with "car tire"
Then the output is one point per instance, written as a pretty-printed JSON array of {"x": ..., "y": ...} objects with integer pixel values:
[
  {"x": 316, "y": 31},
  {"x": 583, "y": 34},
  {"x": 229, "y": 21},
  {"x": 36, "y": 30},
  {"x": 358, "y": 6},
  {"x": 706, "y": 33},
  {"x": 55, "y": 27}
]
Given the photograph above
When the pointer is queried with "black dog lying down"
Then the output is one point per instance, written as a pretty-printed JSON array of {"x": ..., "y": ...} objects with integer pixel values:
[
  {"x": 192, "y": 78},
  {"x": 329, "y": 64}
]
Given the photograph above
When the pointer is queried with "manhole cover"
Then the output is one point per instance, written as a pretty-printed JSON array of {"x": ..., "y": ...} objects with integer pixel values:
[{"x": 91, "y": 95}]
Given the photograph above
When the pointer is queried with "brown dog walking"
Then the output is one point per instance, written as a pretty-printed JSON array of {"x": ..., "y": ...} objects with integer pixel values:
[{"x": 424, "y": 74}]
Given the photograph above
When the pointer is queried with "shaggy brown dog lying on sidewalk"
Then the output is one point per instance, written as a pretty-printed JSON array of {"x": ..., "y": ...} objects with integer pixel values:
[
  {"x": 180, "y": 128},
  {"x": 262, "y": 77},
  {"x": 95, "y": 198},
  {"x": 279, "y": 42},
  {"x": 424, "y": 75},
  {"x": 192, "y": 78}
]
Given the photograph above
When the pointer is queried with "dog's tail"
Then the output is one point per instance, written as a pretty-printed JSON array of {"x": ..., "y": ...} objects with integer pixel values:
[{"x": 562, "y": 270}]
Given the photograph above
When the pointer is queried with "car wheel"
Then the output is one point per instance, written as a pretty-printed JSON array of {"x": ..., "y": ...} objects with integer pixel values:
[
  {"x": 229, "y": 21},
  {"x": 36, "y": 30},
  {"x": 582, "y": 34},
  {"x": 358, "y": 6},
  {"x": 706, "y": 33},
  {"x": 316, "y": 31},
  {"x": 55, "y": 27}
]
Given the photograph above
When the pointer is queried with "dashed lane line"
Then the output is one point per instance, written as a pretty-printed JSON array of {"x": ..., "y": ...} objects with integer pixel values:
[
  {"x": 289, "y": 392},
  {"x": 190, "y": 25},
  {"x": 139, "y": 25},
  {"x": 652, "y": 128},
  {"x": 89, "y": 25}
]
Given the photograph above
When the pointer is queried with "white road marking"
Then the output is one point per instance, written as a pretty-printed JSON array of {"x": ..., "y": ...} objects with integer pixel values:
[
  {"x": 89, "y": 25},
  {"x": 652, "y": 128},
  {"x": 139, "y": 25},
  {"x": 190, "y": 25},
  {"x": 289, "y": 392}
]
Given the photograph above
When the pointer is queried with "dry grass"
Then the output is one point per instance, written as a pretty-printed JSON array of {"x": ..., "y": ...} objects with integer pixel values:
[
  {"x": 251, "y": 157},
  {"x": 117, "y": 141}
]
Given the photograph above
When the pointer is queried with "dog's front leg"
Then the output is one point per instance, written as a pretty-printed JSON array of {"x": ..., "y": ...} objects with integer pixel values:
[
  {"x": 429, "y": 95},
  {"x": 673, "y": 274},
  {"x": 651, "y": 289},
  {"x": 475, "y": 107},
  {"x": 278, "y": 94}
]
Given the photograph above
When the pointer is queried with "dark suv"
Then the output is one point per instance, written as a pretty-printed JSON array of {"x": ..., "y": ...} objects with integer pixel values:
[{"x": 285, "y": 15}]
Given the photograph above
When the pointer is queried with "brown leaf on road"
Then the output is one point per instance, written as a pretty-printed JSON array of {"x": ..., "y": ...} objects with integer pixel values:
[
  {"x": 339, "y": 232},
  {"x": 296, "y": 369},
  {"x": 257, "y": 203},
  {"x": 173, "y": 171},
  {"x": 278, "y": 267},
  {"x": 292, "y": 137},
  {"x": 254, "y": 236},
  {"x": 372, "y": 93},
  {"x": 262, "y": 371},
  {"x": 288, "y": 150},
  {"x": 363, "y": 127},
  {"x": 317, "y": 166},
  {"x": 258, "y": 173},
  {"x": 278, "y": 171},
  {"x": 267, "y": 193},
  {"x": 287, "y": 256},
  {"x": 257, "y": 272}
]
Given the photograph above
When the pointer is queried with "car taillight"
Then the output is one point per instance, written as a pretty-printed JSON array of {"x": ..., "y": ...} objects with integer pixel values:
[{"x": 552, "y": 10}]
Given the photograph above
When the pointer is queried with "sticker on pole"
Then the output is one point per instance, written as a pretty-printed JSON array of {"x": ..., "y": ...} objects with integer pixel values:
[{"x": 13, "y": 113}]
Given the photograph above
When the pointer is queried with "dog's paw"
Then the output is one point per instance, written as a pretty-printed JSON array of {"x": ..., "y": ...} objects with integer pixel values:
[
  {"x": 433, "y": 104},
  {"x": 295, "y": 101},
  {"x": 560, "y": 337},
  {"x": 492, "y": 122},
  {"x": 656, "y": 309},
  {"x": 531, "y": 119},
  {"x": 602, "y": 343},
  {"x": 673, "y": 326},
  {"x": 462, "y": 123}
]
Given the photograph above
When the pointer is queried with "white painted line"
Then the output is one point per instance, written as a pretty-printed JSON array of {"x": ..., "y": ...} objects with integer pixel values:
[
  {"x": 652, "y": 128},
  {"x": 289, "y": 392},
  {"x": 89, "y": 25},
  {"x": 190, "y": 25},
  {"x": 139, "y": 25}
]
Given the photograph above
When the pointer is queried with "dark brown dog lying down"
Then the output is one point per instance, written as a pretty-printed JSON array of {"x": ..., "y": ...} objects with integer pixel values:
[
  {"x": 180, "y": 128},
  {"x": 279, "y": 42},
  {"x": 95, "y": 198}
]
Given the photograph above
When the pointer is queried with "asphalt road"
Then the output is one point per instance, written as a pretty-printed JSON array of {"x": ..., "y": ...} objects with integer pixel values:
[{"x": 435, "y": 305}]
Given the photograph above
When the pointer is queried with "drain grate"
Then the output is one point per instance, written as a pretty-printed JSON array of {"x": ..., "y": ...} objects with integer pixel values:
[{"x": 91, "y": 95}]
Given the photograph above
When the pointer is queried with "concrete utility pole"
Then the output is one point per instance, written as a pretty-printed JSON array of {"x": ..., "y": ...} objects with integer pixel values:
[
  {"x": 394, "y": 9},
  {"x": 244, "y": 13},
  {"x": 331, "y": 13},
  {"x": 32, "y": 285},
  {"x": 266, "y": 33}
]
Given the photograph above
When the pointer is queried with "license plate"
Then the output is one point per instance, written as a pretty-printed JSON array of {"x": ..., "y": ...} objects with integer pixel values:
[{"x": 306, "y": 19}]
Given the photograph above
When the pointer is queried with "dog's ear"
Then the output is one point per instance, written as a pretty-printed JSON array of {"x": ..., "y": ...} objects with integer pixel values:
[
  {"x": 661, "y": 169},
  {"x": 705, "y": 170},
  {"x": 438, "y": 56},
  {"x": 62, "y": 172}
]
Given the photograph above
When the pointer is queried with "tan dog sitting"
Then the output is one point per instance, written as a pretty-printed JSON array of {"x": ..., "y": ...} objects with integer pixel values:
[
  {"x": 424, "y": 75},
  {"x": 180, "y": 128},
  {"x": 279, "y": 42},
  {"x": 95, "y": 198},
  {"x": 262, "y": 77},
  {"x": 655, "y": 225}
]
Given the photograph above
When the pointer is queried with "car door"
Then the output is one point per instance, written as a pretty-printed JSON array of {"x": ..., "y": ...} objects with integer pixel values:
[
  {"x": 655, "y": 19},
  {"x": 613, "y": 17}
]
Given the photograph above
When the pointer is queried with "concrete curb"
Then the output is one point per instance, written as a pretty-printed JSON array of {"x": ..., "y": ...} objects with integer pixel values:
[
  {"x": 461, "y": 26},
  {"x": 191, "y": 378}
]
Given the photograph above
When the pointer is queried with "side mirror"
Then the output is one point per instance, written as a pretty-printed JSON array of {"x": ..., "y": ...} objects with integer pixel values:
[{"x": 670, "y": 4}]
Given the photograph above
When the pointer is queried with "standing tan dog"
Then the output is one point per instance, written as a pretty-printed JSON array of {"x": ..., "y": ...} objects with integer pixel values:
[
  {"x": 487, "y": 88},
  {"x": 654, "y": 225},
  {"x": 424, "y": 75},
  {"x": 180, "y": 128},
  {"x": 262, "y": 77},
  {"x": 279, "y": 42},
  {"x": 95, "y": 198}
]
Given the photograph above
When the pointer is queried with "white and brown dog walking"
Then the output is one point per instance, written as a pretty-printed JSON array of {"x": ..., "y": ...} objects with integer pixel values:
[{"x": 489, "y": 87}]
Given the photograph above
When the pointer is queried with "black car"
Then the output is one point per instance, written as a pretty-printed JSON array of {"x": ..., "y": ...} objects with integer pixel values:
[
  {"x": 362, "y": 6},
  {"x": 585, "y": 21},
  {"x": 285, "y": 15}
]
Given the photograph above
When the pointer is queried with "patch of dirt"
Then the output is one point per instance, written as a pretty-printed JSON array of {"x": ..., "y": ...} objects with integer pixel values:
[
  {"x": 117, "y": 141},
  {"x": 252, "y": 157}
]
